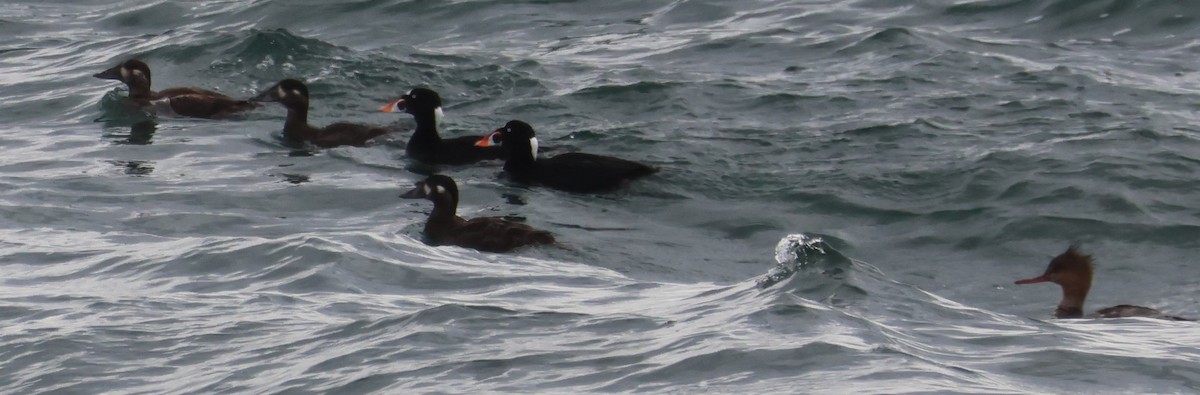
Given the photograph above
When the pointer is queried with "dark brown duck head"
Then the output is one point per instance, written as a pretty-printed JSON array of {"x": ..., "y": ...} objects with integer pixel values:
[
  {"x": 1071, "y": 270},
  {"x": 439, "y": 189},
  {"x": 134, "y": 73},
  {"x": 293, "y": 94}
]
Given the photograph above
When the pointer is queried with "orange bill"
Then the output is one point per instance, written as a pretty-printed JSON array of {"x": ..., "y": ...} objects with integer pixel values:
[
  {"x": 488, "y": 140},
  {"x": 393, "y": 106}
]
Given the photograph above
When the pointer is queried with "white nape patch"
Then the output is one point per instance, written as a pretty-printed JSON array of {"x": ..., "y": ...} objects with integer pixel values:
[
  {"x": 441, "y": 189},
  {"x": 533, "y": 145},
  {"x": 437, "y": 115}
]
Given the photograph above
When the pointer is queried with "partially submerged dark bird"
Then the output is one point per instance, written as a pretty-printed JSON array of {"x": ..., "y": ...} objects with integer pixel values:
[
  {"x": 296, "y": 130},
  {"x": 183, "y": 101},
  {"x": 490, "y": 234},
  {"x": 1072, "y": 270},
  {"x": 572, "y": 172},
  {"x": 426, "y": 145}
]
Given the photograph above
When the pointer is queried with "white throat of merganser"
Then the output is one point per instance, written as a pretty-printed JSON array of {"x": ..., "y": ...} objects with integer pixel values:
[
  {"x": 533, "y": 147},
  {"x": 437, "y": 116}
]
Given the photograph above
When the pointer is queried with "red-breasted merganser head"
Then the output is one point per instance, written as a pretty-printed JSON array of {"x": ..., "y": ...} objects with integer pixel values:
[{"x": 1072, "y": 270}]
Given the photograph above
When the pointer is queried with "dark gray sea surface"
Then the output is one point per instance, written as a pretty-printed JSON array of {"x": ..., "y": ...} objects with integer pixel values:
[{"x": 909, "y": 159}]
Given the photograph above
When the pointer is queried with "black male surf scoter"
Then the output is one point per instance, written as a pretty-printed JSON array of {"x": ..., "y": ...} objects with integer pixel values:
[
  {"x": 490, "y": 234},
  {"x": 183, "y": 101},
  {"x": 294, "y": 95},
  {"x": 1072, "y": 270},
  {"x": 425, "y": 144},
  {"x": 572, "y": 172}
]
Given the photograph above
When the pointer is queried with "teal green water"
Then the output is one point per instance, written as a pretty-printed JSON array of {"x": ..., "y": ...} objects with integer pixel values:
[{"x": 930, "y": 153}]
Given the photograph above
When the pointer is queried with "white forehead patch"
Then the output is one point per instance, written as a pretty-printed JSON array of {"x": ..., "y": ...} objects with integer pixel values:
[
  {"x": 533, "y": 145},
  {"x": 409, "y": 93},
  {"x": 437, "y": 115}
]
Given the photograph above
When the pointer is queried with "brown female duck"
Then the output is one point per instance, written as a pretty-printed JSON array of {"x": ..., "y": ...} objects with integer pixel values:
[
  {"x": 293, "y": 94},
  {"x": 490, "y": 234},
  {"x": 183, "y": 101}
]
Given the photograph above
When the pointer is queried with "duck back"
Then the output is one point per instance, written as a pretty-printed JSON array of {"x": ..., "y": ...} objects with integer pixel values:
[
  {"x": 1127, "y": 310},
  {"x": 490, "y": 234},
  {"x": 580, "y": 172}
]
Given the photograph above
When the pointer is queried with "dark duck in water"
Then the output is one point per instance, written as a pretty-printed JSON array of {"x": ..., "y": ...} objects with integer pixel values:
[
  {"x": 182, "y": 101},
  {"x": 296, "y": 130},
  {"x": 426, "y": 145},
  {"x": 572, "y": 172},
  {"x": 491, "y": 234}
]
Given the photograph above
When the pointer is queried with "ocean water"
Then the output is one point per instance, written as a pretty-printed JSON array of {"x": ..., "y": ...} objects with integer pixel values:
[{"x": 848, "y": 190}]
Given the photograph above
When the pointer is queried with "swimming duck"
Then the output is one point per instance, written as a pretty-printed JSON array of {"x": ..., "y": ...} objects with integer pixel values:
[
  {"x": 183, "y": 101},
  {"x": 489, "y": 234},
  {"x": 1072, "y": 270},
  {"x": 426, "y": 145},
  {"x": 572, "y": 172},
  {"x": 294, "y": 95}
]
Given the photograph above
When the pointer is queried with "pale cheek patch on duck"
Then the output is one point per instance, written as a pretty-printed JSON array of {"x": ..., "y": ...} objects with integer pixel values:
[
  {"x": 280, "y": 92},
  {"x": 124, "y": 73},
  {"x": 440, "y": 189}
]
